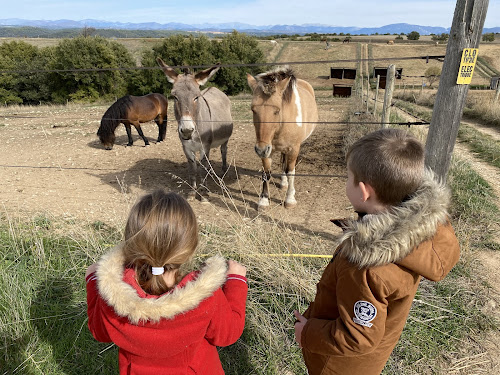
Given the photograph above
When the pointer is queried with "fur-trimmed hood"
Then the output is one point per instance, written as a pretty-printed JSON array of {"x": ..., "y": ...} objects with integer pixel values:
[
  {"x": 391, "y": 236},
  {"x": 127, "y": 303}
]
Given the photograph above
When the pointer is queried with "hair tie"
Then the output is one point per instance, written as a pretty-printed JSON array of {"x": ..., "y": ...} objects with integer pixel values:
[{"x": 157, "y": 270}]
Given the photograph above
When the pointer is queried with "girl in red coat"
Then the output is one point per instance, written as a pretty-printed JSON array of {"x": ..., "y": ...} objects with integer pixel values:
[{"x": 162, "y": 321}]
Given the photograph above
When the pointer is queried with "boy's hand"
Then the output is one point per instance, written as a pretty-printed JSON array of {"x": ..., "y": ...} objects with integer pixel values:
[
  {"x": 233, "y": 267},
  {"x": 299, "y": 326}
]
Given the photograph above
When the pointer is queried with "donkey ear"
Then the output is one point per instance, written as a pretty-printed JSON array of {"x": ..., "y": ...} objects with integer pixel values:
[
  {"x": 252, "y": 82},
  {"x": 203, "y": 76},
  {"x": 169, "y": 72}
]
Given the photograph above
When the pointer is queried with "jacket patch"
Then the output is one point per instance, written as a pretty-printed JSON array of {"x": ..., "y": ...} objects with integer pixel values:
[{"x": 364, "y": 313}]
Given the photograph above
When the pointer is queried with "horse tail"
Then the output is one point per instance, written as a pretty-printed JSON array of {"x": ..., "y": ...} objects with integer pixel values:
[{"x": 113, "y": 116}]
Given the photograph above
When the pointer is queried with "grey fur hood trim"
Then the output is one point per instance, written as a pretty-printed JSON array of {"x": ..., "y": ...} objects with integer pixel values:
[
  {"x": 127, "y": 303},
  {"x": 390, "y": 236}
]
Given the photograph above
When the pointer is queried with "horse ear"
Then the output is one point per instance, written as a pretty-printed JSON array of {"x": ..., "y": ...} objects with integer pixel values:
[
  {"x": 282, "y": 85},
  {"x": 252, "y": 82},
  {"x": 169, "y": 72},
  {"x": 203, "y": 76}
]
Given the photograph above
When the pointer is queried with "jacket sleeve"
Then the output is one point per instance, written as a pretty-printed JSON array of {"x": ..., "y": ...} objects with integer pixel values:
[
  {"x": 362, "y": 305},
  {"x": 94, "y": 305},
  {"x": 228, "y": 320}
]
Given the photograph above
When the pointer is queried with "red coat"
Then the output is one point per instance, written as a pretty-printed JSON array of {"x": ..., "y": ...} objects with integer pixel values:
[{"x": 176, "y": 333}]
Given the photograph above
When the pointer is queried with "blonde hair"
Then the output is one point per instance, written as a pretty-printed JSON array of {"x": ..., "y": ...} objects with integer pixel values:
[
  {"x": 391, "y": 161},
  {"x": 161, "y": 231}
]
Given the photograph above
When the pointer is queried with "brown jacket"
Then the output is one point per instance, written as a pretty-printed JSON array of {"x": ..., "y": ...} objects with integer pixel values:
[{"x": 365, "y": 294}]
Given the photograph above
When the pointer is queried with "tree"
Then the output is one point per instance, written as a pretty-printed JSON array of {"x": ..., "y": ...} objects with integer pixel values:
[
  {"x": 26, "y": 84},
  {"x": 179, "y": 50},
  {"x": 414, "y": 35},
  {"x": 432, "y": 74},
  {"x": 72, "y": 55},
  {"x": 489, "y": 37},
  {"x": 442, "y": 37},
  {"x": 236, "y": 48}
]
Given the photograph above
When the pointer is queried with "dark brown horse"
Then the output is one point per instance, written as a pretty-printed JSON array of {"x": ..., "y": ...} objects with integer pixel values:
[{"x": 133, "y": 110}]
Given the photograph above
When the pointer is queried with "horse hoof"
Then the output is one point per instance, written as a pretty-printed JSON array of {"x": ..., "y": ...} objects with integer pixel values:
[
  {"x": 263, "y": 203},
  {"x": 290, "y": 204}
]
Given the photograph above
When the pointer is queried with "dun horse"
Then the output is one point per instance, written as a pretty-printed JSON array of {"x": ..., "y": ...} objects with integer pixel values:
[
  {"x": 204, "y": 121},
  {"x": 284, "y": 115},
  {"x": 133, "y": 110}
]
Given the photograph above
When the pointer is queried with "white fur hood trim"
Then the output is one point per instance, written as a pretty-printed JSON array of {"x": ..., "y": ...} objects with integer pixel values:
[
  {"x": 127, "y": 303},
  {"x": 390, "y": 236}
]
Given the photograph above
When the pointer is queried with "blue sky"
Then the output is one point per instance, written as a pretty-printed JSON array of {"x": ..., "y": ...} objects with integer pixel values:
[{"x": 364, "y": 13}]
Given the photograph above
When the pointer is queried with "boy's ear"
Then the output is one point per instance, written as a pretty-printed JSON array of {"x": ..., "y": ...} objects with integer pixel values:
[{"x": 366, "y": 191}]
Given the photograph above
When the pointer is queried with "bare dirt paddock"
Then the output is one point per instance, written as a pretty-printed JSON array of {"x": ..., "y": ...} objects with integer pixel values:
[{"x": 51, "y": 163}]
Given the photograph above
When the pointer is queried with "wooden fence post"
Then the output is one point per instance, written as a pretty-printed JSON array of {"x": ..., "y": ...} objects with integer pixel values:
[
  {"x": 376, "y": 96},
  {"x": 367, "y": 93},
  {"x": 389, "y": 88},
  {"x": 497, "y": 93},
  {"x": 465, "y": 32}
]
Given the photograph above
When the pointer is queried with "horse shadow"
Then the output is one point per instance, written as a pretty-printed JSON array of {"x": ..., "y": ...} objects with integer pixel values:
[
  {"x": 225, "y": 191},
  {"x": 122, "y": 141},
  {"x": 150, "y": 174},
  {"x": 59, "y": 316}
]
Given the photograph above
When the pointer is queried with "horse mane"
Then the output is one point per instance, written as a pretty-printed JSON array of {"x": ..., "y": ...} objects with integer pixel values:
[
  {"x": 114, "y": 116},
  {"x": 267, "y": 81}
]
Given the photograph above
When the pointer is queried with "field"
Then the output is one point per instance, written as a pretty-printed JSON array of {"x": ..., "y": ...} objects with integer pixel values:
[{"x": 64, "y": 201}]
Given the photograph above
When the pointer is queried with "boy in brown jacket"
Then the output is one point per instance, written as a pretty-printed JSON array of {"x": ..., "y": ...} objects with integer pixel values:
[{"x": 403, "y": 234}]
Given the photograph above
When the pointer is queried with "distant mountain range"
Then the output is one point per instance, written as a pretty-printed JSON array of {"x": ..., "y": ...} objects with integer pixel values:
[{"x": 228, "y": 27}]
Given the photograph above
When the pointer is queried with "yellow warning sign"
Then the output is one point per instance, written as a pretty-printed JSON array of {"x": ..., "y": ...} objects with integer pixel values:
[{"x": 469, "y": 58}]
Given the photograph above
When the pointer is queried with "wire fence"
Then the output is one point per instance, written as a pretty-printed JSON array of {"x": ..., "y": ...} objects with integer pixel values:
[
  {"x": 243, "y": 121},
  {"x": 30, "y": 71}
]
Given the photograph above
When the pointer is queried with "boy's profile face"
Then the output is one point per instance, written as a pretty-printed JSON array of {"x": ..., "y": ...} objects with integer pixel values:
[{"x": 362, "y": 196}]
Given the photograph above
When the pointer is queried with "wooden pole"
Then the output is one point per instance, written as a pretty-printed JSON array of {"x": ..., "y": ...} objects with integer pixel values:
[
  {"x": 497, "y": 93},
  {"x": 466, "y": 30},
  {"x": 376, "y": 96},
  {"x": 367, "y": 93},
  {"x": 389, "y": 88}
]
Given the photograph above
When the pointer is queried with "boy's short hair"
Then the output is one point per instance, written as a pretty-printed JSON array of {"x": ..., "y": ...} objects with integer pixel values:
[{"x": 391, "y": 161}]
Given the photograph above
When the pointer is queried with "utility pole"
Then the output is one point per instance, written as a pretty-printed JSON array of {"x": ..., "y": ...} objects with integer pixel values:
[{"x": 466, "y": 30}]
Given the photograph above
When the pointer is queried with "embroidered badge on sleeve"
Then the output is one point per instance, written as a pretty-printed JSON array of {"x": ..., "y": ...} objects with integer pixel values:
[{"x": 364, "y": 313}]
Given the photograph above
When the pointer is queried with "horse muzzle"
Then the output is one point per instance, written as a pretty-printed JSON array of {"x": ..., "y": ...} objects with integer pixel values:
[
  {"x": 263, "y": 151},
  {"x": 186, "y": 128}
]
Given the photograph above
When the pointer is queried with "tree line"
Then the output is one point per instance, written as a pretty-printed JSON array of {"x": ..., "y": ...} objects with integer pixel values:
[{"x": 32, "y": 80}]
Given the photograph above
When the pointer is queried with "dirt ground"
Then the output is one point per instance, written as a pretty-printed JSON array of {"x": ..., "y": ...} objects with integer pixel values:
[{"x": 52, "y": 163}]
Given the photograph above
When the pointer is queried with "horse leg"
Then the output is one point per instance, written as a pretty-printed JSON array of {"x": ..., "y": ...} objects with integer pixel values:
[
  {"x": 129, "y": 134},
  {"x": 266, "y": 176},
  {"x": 206, "y": 169},
  {"x": 223, "y": 152},
  {"x": 284, "y": 179},
  {"x": 139, "y": 130},
  {"x": 162, "y": 128},
  {"x": 290, "y": 201},
  {"x": 192, "y": 173}
]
